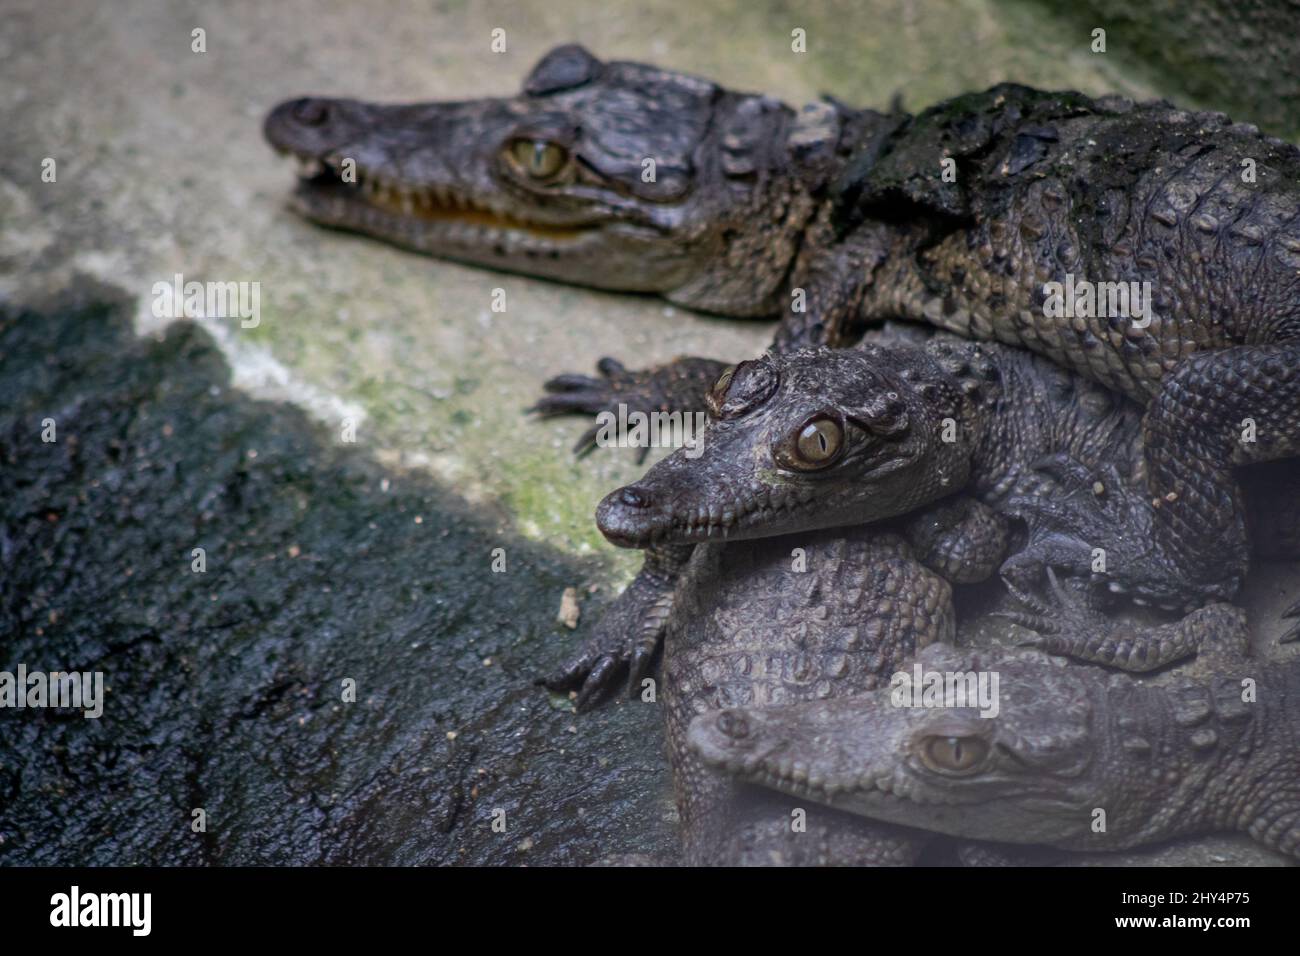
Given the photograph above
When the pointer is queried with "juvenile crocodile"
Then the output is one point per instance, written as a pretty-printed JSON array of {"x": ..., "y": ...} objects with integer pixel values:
[
  {"x": 1073, "y": 757},
  {"x": 958, "y": 217},
  {"x": 825, "y": 438},
  {"x": 772, "y": 622},
  {"x": 895, "y": 428}
]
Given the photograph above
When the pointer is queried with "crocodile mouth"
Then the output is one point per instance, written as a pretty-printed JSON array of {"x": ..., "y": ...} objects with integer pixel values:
[
  {"x": 772, "y": 767},
  {"x": 377, "y": 204},
  {"x": 623, "y": 523}
]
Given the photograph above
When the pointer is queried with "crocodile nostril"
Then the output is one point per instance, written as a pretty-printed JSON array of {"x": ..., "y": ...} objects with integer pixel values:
[
  {"x": 311, "y": 112},
  {"x": 634, "y": 498}
]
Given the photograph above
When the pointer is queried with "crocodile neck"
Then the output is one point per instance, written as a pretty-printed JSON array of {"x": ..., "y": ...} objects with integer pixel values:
[{"x": 1204, "y": 750}]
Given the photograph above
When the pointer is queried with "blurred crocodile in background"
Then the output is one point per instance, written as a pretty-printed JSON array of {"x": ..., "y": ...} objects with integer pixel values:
[{"x": 1073, "y": 758}]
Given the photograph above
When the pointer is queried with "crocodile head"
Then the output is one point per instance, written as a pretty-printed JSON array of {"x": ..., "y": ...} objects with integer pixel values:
[
  {"x": 616, "y": 175},
  {"x": 812, "y": 439},
  {"x": 1027, "y": 774}
]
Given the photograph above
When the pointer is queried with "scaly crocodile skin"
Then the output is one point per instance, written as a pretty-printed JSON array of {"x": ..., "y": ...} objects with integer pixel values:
[{"x": 749, "y": 628}]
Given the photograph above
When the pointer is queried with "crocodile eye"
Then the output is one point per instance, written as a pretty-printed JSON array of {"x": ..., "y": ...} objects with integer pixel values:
[
  {"x": 954, "y": 754},
  {"x": 539, "y": 158},
  {"x": 816, "y": 445},
  {"x": 718, "y": 394},
  {"x": 742, "y": 388}
]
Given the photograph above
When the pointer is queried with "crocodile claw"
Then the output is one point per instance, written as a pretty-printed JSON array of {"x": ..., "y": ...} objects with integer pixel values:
[
  {"x": 1070, "y": 625},
  {"x": 678, "y": 386},
  {"x": 1049, "y": 618},
  {"x": 639, "y": 668},
  {"x": 572, "y": 394},
  {"x": 592, "y": 674},
  {"x": 1024, "y": 569},
  {"x": 1034, "y": 622},
  {"x": 584, "y": 445},
  {"x": 626, "y": 638}
]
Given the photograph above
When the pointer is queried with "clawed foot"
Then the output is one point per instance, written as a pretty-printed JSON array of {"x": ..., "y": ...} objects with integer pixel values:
[
  {"x": 1094, "y": 525},
  {"x": 1071, "y": 624},
  {"x": 678, "y": 386},
  {"x": 618, "y": 650},
  {"x": 627, "y": 636},
  {"x": 1064, "y": 623}
]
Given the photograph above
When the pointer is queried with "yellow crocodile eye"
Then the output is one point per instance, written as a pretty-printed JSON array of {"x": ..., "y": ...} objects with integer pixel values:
[
  {"x": 539, "y": 158},
  {"x": 819, "y": 442},
  {"x": 955, "y": 754},
  {"x": 718, "y": 394}
]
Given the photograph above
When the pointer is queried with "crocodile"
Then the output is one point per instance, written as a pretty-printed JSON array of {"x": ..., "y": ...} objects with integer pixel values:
[
  {"x": 1071, "y": 757},
  {"x": 826, "y": 438},
  {"x": 774, "y": 621},
  {"x": 800, "y": 619},
  {"x": 823, "y": 438},
  {"x": 961, "y": 536},
  {"x": 998, "y": 215}
]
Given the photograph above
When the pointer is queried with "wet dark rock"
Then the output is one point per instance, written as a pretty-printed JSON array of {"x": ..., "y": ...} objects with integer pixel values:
[{"x": 225, "y": 688}]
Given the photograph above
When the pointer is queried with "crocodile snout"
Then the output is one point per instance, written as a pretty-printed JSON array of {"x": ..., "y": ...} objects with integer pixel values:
[
  {"x": 726, "y": 739},
  {"x": 627, "y": 516},
  {"x": 306, "y": 126}
]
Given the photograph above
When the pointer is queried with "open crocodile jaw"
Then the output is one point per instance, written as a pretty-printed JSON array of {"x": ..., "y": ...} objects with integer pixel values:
[{"x": 433, "y": 218}]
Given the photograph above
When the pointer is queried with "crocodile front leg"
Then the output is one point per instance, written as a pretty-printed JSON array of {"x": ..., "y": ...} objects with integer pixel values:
[
  {"x": 1219, "y": 410},
  {"x": 1181, "y": 537},
  {"x": 628, "y": 634},
  {"x": 961, "y": 538},
  {"x": 677, "y": 386},
  {"x": 680, "y": 386},
  {"x": 822, "y": 308}
]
